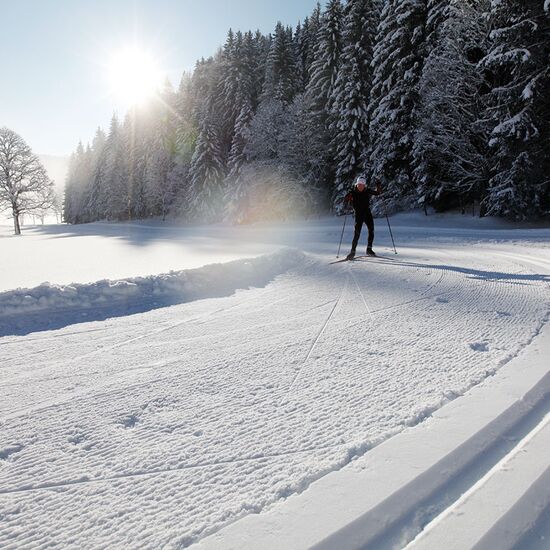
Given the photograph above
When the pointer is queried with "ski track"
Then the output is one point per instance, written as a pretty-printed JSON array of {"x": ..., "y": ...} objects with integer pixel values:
[{"x": 164, "y": 426}]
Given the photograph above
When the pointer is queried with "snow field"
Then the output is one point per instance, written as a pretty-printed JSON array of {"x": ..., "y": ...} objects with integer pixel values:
[
  {"x": 477, "y": 467},
  {"x": 64, "y": 254},
  {"x": 159, "y": 428}
]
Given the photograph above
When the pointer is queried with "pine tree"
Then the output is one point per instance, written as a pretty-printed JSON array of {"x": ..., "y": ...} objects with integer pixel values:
[
  {"x": 450, "y": 152},
  {"x": 520, "y": 109},
  {"x": 259, "y": 48},
  {"x": 244, "y": 100},
  {"x": 225, "y": 89},
  {"x": 310, "y": 40},
  {"x": 281, "y": 73},
  {"x": 235, "y": 190},
  {"x": 159, "y": 190},
  {"x": 265, "y": 128},
  {"x": 75, "y": 187},
  {"x": 115, "y": 173},
  {"x": 82, "y": 180},
  {"x": 185, "y": 120},
  {"x": 321, "y": 87},
  {"x": 349, "y": 120},
  {"x": 326, "y": 59},
  {"x": 206, "y": 171},
  {"x": 300, "y": 150},
  {"x": 237, "y": 156},
  {"x": 133, "y": 146},
  {"x": 299, "y": 45},
  {"x": 397, "y": 62},
  {"x": 97, "y": 201}
]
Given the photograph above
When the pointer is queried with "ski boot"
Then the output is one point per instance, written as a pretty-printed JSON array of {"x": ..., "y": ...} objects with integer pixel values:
[
  {"x": 351, "y": 255},
  {"x": 370, "y": 252}
]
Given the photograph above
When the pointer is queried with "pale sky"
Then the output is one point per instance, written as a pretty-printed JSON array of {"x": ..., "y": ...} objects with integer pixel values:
[{"x": 54, "y": 88}]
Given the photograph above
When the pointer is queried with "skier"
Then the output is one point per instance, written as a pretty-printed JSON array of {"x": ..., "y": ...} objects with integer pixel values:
[{"x": 360, "y": 196}]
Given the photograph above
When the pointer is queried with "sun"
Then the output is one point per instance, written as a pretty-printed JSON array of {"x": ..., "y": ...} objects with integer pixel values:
[{"x": 133, "y": 75}]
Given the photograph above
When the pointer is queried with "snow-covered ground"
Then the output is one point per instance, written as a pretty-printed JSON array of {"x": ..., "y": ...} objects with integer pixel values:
[{"x": 156, "y": 410}]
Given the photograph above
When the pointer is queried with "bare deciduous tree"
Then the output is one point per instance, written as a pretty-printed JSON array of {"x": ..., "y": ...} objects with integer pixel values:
[{"x": 24, "y": 183}]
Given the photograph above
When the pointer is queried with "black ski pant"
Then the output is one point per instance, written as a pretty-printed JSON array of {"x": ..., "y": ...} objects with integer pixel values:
[{"x": 361, "y": 218}]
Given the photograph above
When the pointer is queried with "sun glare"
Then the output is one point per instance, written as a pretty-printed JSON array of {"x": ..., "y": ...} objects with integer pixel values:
[{"x": 133, "y": 75}]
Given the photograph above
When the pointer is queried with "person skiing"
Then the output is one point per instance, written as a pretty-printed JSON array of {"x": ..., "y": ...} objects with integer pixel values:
[{"x": 359, "y": 197}]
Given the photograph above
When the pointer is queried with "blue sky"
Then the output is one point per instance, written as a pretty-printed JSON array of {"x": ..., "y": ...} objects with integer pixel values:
[{"x": 53, "y": 89}]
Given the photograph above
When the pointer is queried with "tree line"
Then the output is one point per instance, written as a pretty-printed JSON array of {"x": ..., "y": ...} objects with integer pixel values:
[{"x": 444, "y": 102}]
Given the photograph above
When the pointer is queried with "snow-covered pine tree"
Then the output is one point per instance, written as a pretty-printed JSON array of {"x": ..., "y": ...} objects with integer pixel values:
[
  {"x": 450, "y": 151},
  {"x": 299, "y": 42},
  {"x": 519, "y": 60},
  {"x": 224, "y": 96},
  {"x": 244, "y": 97},
  {"x": 280, "y": 72},
  {"x": 97, "y": 197},
  {"x": 76, "y": 187},
  {"x": 240, "y": 96},
  {"x": 260, "y": 49},
  {"x": 159, "y": 187},
  {"x": 206, "y": 172},
  {"x": 85, "y": 179},
  {"x": 235, "y": 190},
  {"x": 186, "y": 128},
  {"x": 135, "y": 134},
  {"x": 299, "y": 151},
  {"x": 326, "y": 60},
  {"x": 70, "y": 198},
  {"x": 208, "y": 164},
  {"x": 185, "y": 121},
  {"x": 116, "y": 176},
  {"x": 265, "y": 128},
  {"x": 310, "y": 39},
  {"x": 349, "y": 120},
  {"x": 160, "y": 158},
  {"x": 201, "y": 86},
  {"x": 437, "y": 13},
  {"x": 397, "y": 65},
  {"x": 320, "y": 89}
]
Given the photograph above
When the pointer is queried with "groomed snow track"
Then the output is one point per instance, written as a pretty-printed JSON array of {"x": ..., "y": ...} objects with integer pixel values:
[
  {"x": 485, "y": 486},
  {"x": 375, "y": 398},
  {"x": 425, "y": 490}
]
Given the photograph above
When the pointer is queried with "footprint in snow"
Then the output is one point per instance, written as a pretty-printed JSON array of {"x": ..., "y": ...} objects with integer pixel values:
[
  {"x": 479, "y": 346},
  {"x": 76, "y": 438},
  {"x": 6, "y": 452},
  {"x": 129, "y": 421}
]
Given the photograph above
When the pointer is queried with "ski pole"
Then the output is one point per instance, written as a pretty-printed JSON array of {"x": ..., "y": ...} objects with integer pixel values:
[
  {"x": 341, "y": 236},
  {"x": 389, "y": 226}
]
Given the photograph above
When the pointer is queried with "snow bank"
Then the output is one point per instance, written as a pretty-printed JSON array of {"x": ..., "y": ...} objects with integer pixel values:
[{"x": 175, "y": 287}]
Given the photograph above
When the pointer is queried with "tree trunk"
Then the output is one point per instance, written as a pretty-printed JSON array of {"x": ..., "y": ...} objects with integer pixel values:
[{"x": 16, "y": 225}]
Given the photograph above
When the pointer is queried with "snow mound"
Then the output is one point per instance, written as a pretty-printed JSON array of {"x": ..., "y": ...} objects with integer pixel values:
[{"x": 170, "y": 288}]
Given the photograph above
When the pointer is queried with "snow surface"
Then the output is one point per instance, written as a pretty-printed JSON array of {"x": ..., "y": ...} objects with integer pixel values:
[
  {"x": 158, "y": 428},
  {"x": 384, "y": 498}
]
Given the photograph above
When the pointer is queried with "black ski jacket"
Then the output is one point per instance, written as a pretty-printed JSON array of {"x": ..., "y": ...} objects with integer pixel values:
[{"x": 360, "y": 200}]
